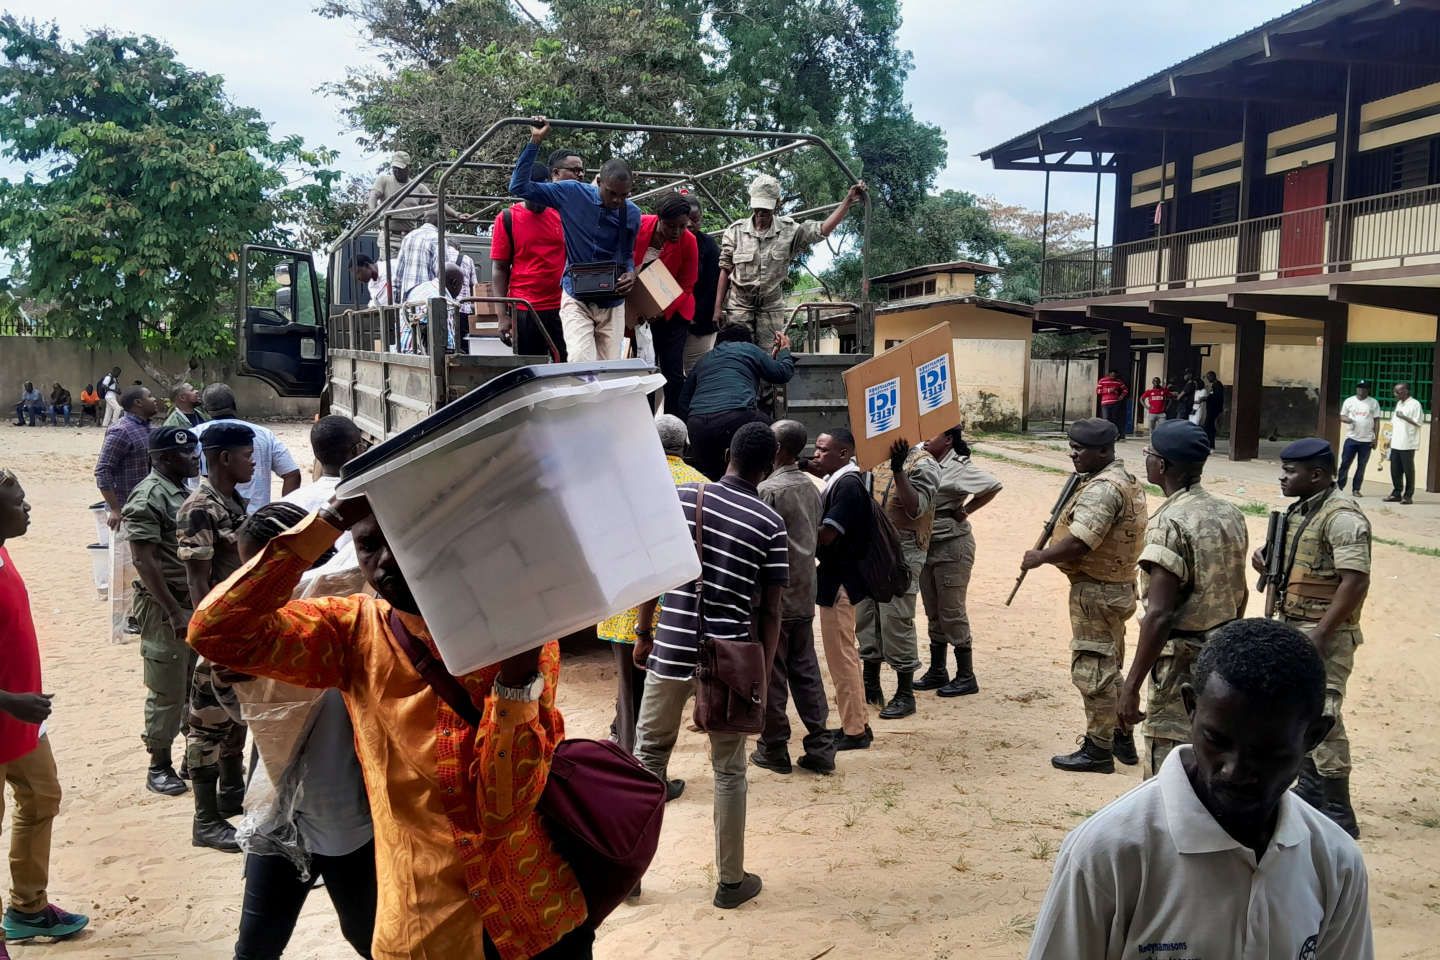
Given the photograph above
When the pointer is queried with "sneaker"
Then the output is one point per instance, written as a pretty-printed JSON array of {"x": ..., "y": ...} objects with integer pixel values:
[
  {"x": 817, "y": 765},
  {"x": 843, "y": 740},
  {"x": 51, "y": 922},
  {"x": 771, "y": 762},
  {"x": 728, "y": 896}
]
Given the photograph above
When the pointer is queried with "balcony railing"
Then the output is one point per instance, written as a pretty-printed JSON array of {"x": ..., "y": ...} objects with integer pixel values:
[{"x": 1388, "y": 230}]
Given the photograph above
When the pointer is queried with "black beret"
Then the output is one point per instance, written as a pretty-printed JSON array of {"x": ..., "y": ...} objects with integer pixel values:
[
  {"x": 1180, "y": 441},
  {"x": 1311, "y": 448},
  {"x": 227, "y": 436},
  {"x": 1363, "y": 383},
  {"x": 171, "y": 438},
  {"x": 1093, "y": 432}
]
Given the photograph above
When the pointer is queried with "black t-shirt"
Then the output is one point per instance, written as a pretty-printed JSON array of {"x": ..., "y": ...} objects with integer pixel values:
[
  {"x": 705, "y": 284},
  {"x": 846, "y": 507}
]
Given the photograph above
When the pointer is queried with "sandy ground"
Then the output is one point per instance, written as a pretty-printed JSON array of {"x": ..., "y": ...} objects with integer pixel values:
[{"x": 936, "y": 843}]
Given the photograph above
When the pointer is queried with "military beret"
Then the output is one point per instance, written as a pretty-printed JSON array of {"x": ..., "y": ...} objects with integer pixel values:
[
  {"x": 226, "y": 436},
  {"x": 171, "y": 438},
  {"x": 1093, "y": 432},
  {"x": 1180, "y": 441},
  {"x": 1311, "y": 448}
]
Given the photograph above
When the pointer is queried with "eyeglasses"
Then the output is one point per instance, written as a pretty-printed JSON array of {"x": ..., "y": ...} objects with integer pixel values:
[{"x": 573, "y": 169}]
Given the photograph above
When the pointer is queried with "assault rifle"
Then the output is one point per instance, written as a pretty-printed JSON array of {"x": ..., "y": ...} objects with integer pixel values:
[
  {"x": 1049, "y": 530},
  {"x": 1274, "y": 556}
]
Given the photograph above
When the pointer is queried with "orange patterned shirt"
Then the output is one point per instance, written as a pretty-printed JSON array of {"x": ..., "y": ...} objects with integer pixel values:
[{"x": 460, "y": 849}]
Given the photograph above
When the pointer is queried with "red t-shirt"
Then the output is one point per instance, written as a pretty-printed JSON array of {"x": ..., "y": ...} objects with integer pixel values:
[
  {"x": 1111, "y": 391},
  {"x": 19, "y": 659},
  {"x": 536, "y": 254},
  {"x": 1155, "y": 399},
  {"x": 681, "y": 258}
]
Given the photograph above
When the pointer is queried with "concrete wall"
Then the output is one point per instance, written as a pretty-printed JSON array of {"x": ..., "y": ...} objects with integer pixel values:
[
  {"x": 45, "y": 360},
  {"x": 1047, "y": 384}
]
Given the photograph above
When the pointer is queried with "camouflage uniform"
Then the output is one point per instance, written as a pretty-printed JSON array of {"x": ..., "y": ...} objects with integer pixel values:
[
  {"x": 149, "y": 516},
  {"x": 1107, "y": 513},
  {"x": 1325, "y": 534},
  {"x": 945, "y": 578},
  {"x": 1202, "y": 540},
  {"x": 759, "y": 264},
  {"x": 887, "y": 630},
  {"x": 209, "y": 523}
]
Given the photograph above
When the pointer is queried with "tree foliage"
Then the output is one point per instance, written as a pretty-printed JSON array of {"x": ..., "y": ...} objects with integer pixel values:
[{"x": 143, "y": 180}]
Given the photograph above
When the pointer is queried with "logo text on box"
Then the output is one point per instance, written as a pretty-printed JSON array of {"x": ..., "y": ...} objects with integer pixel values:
[
  {"x": 933, "y": 380},
  {"x": 882, "y": 407}
]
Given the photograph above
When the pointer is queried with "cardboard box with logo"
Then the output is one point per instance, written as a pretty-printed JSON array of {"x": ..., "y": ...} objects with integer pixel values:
[{"x": 906, "y": 392}]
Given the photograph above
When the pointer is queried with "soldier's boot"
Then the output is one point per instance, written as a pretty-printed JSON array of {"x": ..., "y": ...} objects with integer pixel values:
[
  {"x": 232, "y": 786},
  {"x": 1090, "y": 758},
  {"x": 873, "y": 693},
  {"x": 937, "y": 676},
  {"x": 210, "y": 829},
  {"x": 161, "y": 777},
  {"x": 964, "y": 682},
  {"x": 1337, "y": 804},
  {"x": 903, "y": 703},
  {"x": 1123, "y": 747},
  {"x": 1311, "y": 786}
]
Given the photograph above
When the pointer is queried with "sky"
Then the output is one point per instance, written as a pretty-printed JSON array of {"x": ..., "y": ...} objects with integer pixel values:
[{"x": 982, "y": 72}]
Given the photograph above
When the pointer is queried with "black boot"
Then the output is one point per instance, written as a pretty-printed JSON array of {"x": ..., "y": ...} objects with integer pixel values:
[
  {"x": 1337, "y": 804},
  {"x": 937, "y": 676},
  {"x": 210, "y": 829},
  {"x": 1088, "y": 759},
  {"x": 1124, "y": 747},
  {"x": 232, "y": 786},
  {"x": 903, "y": 703},
  {"x": 873, "y": 693},
  {"x": 1311, "y": 786},
  {"x": 161, "y": 776},
  {"x": 861, "y": 741},
  {"x": 964, "y": 682}
]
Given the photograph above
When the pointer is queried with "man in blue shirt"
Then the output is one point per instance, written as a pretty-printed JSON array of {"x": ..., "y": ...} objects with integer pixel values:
[{"x": 599, "y": 223}]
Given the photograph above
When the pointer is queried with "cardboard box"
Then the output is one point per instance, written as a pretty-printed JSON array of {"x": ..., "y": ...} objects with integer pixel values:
[
  {"x": 484, "y": 311},
  {"x": 654, "y": 291},
  {"x": 906, "y": 392}
]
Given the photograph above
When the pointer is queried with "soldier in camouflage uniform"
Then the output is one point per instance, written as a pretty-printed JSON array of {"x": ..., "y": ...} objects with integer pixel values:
[
  {"x": 1326, "y": 578},
  {"x": 209, "y": 523},
  {"x": 905, "y": 487},
  {"x": 1096, "y": 544},
  {"x": 1192, "y": 576}
]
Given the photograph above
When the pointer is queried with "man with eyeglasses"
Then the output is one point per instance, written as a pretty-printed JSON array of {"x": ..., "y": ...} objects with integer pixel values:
[{"x": 566, "y": 165}]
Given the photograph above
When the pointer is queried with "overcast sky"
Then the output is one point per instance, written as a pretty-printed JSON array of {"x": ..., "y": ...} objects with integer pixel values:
[{"x": 983, "y": 72}]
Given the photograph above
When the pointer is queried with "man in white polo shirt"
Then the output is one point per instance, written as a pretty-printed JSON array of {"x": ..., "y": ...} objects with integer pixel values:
[
  {"x": 1405, "y": 422},
  {"x": 1361, "y": 416},
  {"x": 1215, "y": 859}
]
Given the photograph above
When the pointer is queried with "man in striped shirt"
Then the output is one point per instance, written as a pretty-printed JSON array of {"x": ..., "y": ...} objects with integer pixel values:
[{"x": 745, "y": 564}]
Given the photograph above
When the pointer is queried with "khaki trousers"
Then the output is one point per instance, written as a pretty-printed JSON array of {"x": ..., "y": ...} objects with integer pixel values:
[
  {"x": 842, "y": 657},
  {"x": 1166, "y": 724},
  {"x": 592, "y": 332},
  {"x": 887, "y": 630},
  {"x": 36, "y": 784},
  {"x": 1332, "y": 757}
]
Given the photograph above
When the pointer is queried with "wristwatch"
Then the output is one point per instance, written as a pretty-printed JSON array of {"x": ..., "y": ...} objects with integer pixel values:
[{"x": 528, "y": 692}]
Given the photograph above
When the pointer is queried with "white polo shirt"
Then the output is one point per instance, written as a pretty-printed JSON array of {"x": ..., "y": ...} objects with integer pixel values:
[
  {"x": 1402, "y": 435},
  {"x": 1153, "y": 876}
]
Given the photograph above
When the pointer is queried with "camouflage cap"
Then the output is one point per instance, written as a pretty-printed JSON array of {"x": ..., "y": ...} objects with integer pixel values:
[{"x": 764, "y": 193}]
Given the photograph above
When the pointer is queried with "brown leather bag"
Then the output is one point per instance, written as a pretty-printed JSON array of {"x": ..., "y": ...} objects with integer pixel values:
[{"x": 731, "y": 675}]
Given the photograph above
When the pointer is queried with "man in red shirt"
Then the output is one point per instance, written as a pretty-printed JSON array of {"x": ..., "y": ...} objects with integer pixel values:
[
  {"x": 26, "y": 761},
  {"x": 1112, "y": 392},
  {"x": 527, "y": 248},
  {"x": 1155, "y": 400}
]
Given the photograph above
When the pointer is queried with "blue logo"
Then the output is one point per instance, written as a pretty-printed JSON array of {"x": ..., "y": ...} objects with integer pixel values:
[
  {"x": 933, "y": 380},
  {"x": 882, "y": 407}
]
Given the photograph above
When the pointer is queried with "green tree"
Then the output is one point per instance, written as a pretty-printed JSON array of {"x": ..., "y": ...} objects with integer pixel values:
[{"x": 143, "y": 182}]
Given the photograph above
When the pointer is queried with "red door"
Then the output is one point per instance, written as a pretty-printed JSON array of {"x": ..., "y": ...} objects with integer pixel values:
[{"x": 1302, "y": 222}]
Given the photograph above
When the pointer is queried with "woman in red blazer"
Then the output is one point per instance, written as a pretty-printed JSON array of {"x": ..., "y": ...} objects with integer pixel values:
[{"x": 664, "y": 236}]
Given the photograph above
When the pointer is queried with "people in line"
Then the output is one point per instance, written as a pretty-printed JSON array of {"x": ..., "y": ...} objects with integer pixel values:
[
  {"x": 109, "y": 389},
  {"x": 1097, "y": 544},
  {"x": 124, "y": 458},
  {"x": 27, "y": 763},
  {"x": 527, "y": 254},
  {"x": 185, "y": 408},
  {"x": 743, "y": 554},
  {"x": 89, "y": 405},
  {"x": 665, "y": 236},
  {"x": 791, "y": 493},
  {"x": 722, "y": 393},
  {"x": 272, "y": 457},
  {"x": 1215, "y": 857},
  {"x": 1361, "y": 416},
  {"x": 600, "y": 225},
  {"x": 1406, "y": 419},
  {"x": 700, "y": 336},
  {"x": 30, "y": 411},
  {"x": 945, "y": 579},
  {"x": 1113, "y": 392},
  {"x": 1156, "y": 400}
]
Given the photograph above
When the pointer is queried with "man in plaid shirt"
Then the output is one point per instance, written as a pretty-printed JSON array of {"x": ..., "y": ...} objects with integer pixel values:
[
  {"x": 125, "y": 455},
  {"x": 416, "y": 262}
]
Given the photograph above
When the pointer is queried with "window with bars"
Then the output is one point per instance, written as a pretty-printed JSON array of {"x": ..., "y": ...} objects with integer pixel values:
[{"x": 1386, "y": 364}]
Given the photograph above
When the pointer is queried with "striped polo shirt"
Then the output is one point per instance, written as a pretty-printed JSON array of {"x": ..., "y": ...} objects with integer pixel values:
[{"x": 744, "y": 550}]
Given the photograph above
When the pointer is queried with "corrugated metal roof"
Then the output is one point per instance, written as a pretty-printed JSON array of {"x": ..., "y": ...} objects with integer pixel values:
[{"x": 954, "y": 266}]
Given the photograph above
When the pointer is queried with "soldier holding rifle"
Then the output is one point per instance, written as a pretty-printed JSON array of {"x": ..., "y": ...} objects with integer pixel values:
[
  {"x": 1097, "y": 542},
  {"x": 1320, "y": 577}
]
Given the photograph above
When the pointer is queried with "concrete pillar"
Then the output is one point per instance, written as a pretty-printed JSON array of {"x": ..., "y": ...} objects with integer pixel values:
[
  {"x": 1179, "y": 355},
  {"x": 1332, "y": 350},
  {"x": 1246, "y": 384}
]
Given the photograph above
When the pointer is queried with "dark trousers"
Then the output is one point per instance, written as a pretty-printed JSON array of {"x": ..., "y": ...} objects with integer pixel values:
[
  {"x": 274, "y": 894},
  {"x": 1402, "y": 472},
  {"x": 670, "y": 335},
  {"x": 1115, "y": 413},
  {"x": 630, "y": 690},
  {"x": 796, "y": 671},
  {"x": 1209, "y": 423},
  {"x": 710, "y": 435},
  {"x": 528, "y": 338},
  {"x": 576, "y": 945},
  {"x": 1357, "y": 451}
]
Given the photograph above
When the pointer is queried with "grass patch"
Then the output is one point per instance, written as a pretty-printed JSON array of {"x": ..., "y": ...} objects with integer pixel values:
[
  {"x": 1043, "y": 468},
  {"x": 1255, "y": 508},
  {"x": 1041, "y": 848},
  {"x": 1021, "y": 926},
  {"x": 1408, "y": 547}
]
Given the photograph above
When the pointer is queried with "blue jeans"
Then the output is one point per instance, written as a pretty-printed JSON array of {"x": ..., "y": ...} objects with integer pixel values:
[
  {"x": 36, "y": 413},
  {"x": 60, "y": 410},
  {"x": 1359, "y": 452}
]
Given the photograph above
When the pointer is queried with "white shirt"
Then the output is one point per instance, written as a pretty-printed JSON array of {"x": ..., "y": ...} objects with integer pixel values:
[
  {"x": 1154, "y": 876},
  {"x": 1362, "y": 414},
  {"x": 380, "y": 287},
  {"x": 271, "y": 456},
  {"x": 314, "y": 495},
  {"x": 1402, "y": 435}
]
